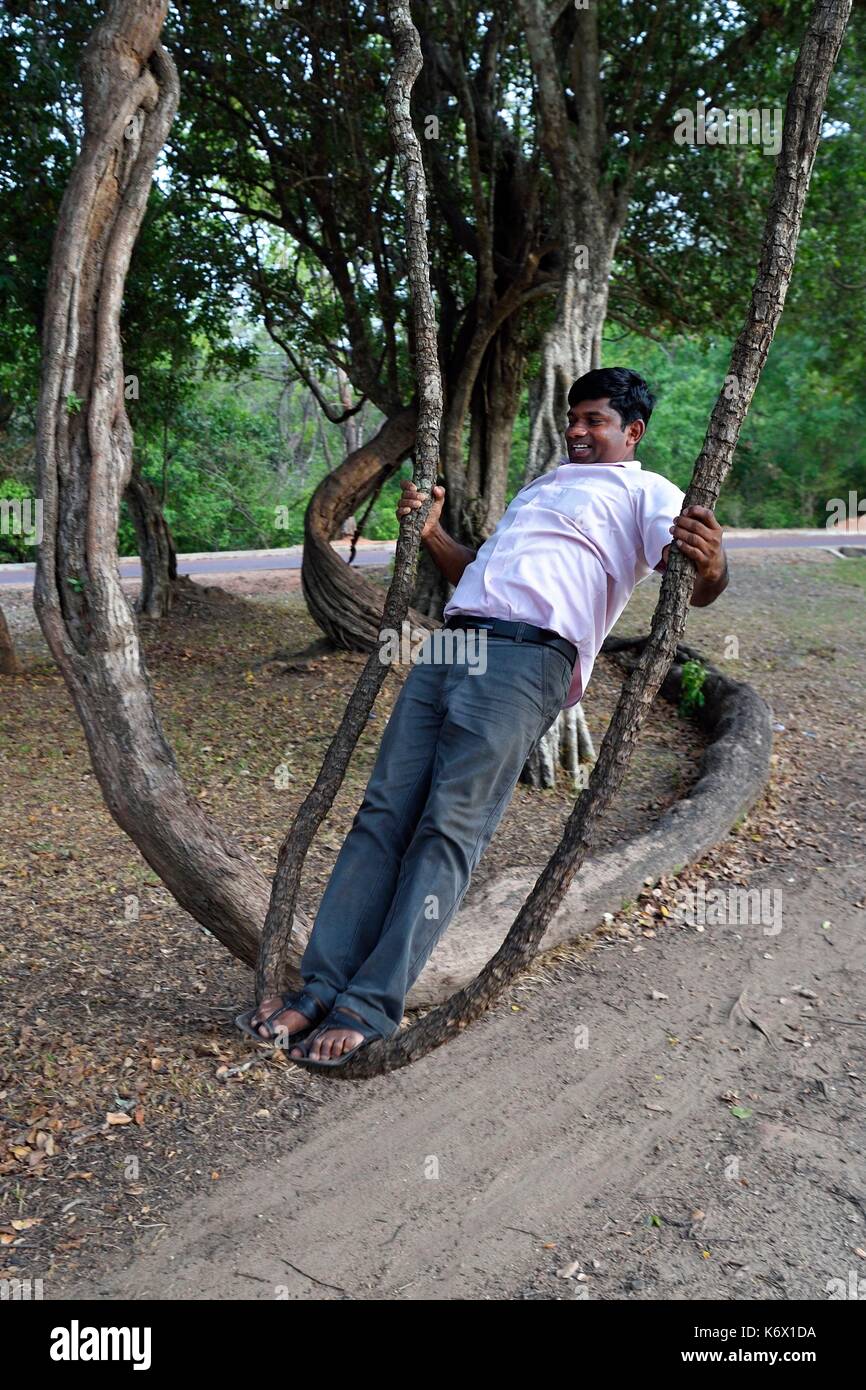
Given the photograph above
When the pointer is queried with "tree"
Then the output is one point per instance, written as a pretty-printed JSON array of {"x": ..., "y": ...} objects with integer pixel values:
[
  {"x": 9, "y": 663},
  {"x": 181, "y": 289},
  {"x": 85, "y": 462}
]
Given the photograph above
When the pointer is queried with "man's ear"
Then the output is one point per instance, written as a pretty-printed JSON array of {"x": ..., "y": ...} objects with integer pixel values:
[{"x": 636, "y": 431}]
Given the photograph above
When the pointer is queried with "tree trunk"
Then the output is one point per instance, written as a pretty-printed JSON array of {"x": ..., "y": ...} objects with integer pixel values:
[
  {"x": 479, "y": 503},
  {"x": 351, "y": 426},
  {"x": 571, "y": 347},
  {"x": 130, "y": 91},
  {"x": 495, "y": 402},
  {"x": 9, "y": 663},
  {"x": 352, "y": 438},
  {"x": 155, "y": 546},
  {"x": 431, "y": 592},
  {"x": 589, "y": 224},
  {"x": 567, "y": 744},
  {"x": 345, "y": 605}
]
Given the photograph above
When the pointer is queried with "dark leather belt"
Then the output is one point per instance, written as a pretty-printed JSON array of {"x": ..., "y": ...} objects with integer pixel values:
[{"x": 520, "y": 632}]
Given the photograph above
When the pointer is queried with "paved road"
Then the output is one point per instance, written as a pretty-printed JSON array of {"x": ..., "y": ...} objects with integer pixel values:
[{"x": 380, "y": 553}]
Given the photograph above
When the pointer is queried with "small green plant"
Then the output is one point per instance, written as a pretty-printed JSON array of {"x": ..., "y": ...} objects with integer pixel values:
[
  {"x": 692, "y": 687},
  {"x": 73, "y": 403},
  {"x": 74, "y": 583}
]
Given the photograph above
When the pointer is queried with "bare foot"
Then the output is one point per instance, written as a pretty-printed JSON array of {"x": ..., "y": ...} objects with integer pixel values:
[
  {"x": 333, "y": 1042},
  {"x": 285, "y": 1023}
]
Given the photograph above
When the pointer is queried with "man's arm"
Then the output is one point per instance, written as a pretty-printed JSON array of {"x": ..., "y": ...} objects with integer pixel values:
[
  {"x": 699, "y": 535},
  {"x": 447, "y": 554}
]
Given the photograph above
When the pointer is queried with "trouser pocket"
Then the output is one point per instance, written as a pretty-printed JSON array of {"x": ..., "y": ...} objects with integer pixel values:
[{"x": 558, "y": 671}]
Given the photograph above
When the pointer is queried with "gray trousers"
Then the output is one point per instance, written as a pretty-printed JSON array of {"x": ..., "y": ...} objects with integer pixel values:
[{"x": 449, "y": 761}]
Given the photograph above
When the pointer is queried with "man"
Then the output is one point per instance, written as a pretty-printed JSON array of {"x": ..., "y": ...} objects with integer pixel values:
[{"x": 544, "y": 590}]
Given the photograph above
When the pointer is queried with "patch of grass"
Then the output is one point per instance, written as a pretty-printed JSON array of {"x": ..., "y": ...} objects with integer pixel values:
[{"x": 848, "y": 573}]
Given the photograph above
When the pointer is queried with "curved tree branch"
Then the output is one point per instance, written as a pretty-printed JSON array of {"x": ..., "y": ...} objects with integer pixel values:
[{"x": 84, "y": 461}]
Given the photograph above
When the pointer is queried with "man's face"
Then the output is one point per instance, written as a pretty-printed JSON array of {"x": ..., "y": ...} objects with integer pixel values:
[{"x": 595, "y": 434}]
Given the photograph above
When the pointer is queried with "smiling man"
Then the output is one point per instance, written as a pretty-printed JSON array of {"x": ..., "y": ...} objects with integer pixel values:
[{"x": 545, "y": 589}]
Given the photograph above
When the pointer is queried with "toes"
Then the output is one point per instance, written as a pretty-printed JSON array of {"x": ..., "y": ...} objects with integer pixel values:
[
  {"x": 324, "y": 1047},
  {"x": 330, "y": 1045}
]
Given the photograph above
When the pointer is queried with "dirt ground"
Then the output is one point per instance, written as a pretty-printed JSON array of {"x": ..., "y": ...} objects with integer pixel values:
[{"x": 665, "y": 1111}]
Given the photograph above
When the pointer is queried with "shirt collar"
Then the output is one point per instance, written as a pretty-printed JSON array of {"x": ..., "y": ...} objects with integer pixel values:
[{"x": 623, "y": 463}]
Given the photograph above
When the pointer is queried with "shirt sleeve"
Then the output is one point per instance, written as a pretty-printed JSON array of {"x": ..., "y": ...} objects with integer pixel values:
[{"x": 659, "y": 505}]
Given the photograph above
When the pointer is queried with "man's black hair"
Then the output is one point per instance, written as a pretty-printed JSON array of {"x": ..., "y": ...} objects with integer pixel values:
[{"x": 628, "y": 393}]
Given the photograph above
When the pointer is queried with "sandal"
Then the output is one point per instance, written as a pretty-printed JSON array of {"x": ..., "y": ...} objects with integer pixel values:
[
  {"x": 337, "y": 1018},
  {"x": 300, "y": 1000}
]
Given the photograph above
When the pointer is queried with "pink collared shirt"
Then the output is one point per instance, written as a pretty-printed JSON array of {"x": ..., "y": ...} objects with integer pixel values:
[{"x": 569, "y": 551}]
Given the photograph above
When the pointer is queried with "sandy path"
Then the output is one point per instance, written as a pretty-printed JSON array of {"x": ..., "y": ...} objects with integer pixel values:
[{"x": 537, "y": 1142}]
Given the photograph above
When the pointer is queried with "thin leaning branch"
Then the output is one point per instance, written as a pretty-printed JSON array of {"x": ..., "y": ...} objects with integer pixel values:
[{"x": 272, "y": 972}]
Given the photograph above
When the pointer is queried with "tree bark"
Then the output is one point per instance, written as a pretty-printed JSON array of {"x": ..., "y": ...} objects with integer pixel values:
[
  {"x": 351, "y": 426},
  {"x": 589, "y": 222},
  {"x": 9, "y": 663},
  {"x": 820, "y": 48},
  {"x": 155, "y": 546},
  {"x": 346, "y": 606},
  {"x": 589, "y": 225},
  {"x": 567, "y": 745},
  {"x": 130, "y": 91},
  {"x": 495, "y": 402}
]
